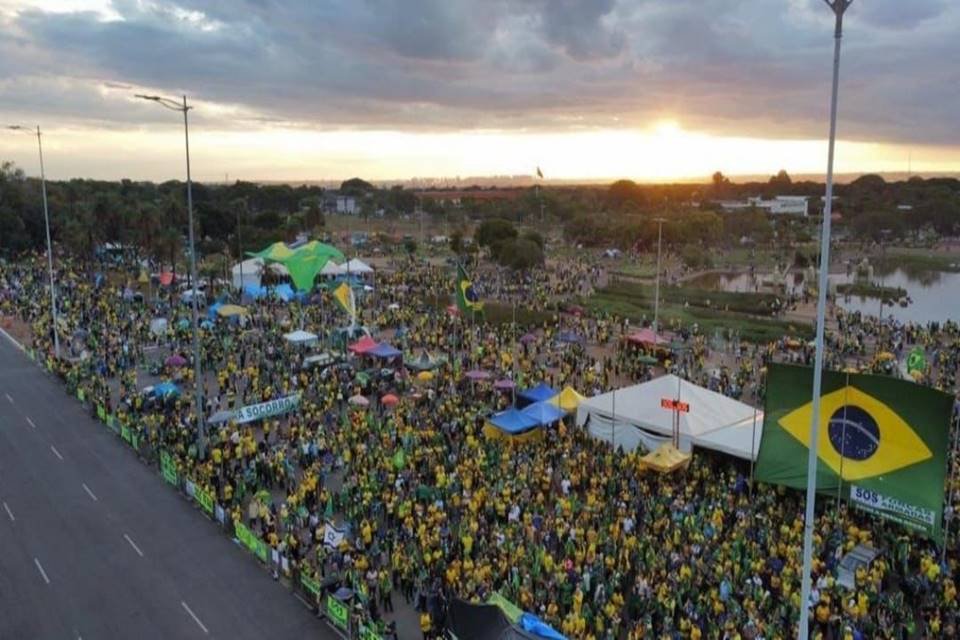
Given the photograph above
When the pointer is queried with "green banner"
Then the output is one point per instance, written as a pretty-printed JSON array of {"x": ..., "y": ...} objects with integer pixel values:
[
  {"x": 310, "y": 585},
  {"x": 32, "y": 354},
  {"x": 81, "y": 395},
  {"x": 125, "y": 433},
  {"x": 101, "y": 413},
  {"x": 112, "y": 423},
  {"x": 248, "y": 539},
  {"x": 881, "y": 443},
  {"x": 168, "y": 468},
  {"x": 135, "y": 441},
  {"x": 204, "y": 499},
  {"x": 243, "y": 534},
  {"x": 337, "y": 612},
  {"x": 368, "y": 632}
]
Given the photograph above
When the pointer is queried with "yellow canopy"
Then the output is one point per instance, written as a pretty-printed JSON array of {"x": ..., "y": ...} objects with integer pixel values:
[
  {"x": 568, "y": 399},
  {"x": 425, "y": 376},
  {"x": 230, "y": 310},
  {"x": 491, "y": 431},
  {"x": 886, "y": 356},
  {"x": 666, "y": 459}
]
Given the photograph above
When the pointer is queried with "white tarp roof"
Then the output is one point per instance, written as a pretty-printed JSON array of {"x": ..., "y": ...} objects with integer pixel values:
[
  {"x": 300, "y": 336},
  {"x": 714, "y": 422},
  {"x": 252, "y": 270},
  {"x": 356, "y": 266},
  {"x": 332, "y": 269}
]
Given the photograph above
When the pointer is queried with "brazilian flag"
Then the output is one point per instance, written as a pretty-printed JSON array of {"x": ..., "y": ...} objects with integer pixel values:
[
  {"x": 882, "y": 442},
  {"x": 467, "y": 299}
]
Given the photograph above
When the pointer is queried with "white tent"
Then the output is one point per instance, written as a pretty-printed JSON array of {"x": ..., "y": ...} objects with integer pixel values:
[
  {"x": 252, "y": 270},
  {"x": 356, "y": 266},
  {"x": 332, "y": 269},
  {"x": 300, "y": 337},
  {"x": 633, "y": 416}
]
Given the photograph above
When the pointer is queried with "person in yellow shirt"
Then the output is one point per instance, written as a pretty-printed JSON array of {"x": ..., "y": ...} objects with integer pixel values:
[{"x": 426, "y": 625}]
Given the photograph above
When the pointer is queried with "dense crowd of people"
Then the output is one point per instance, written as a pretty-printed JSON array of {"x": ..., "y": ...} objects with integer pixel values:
[{"x": 563, "y": 526}]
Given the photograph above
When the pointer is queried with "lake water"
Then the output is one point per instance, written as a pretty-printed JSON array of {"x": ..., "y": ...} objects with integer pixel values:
[{"x": 935, "y": 294}]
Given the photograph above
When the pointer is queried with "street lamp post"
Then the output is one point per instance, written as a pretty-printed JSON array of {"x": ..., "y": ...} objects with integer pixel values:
[
  {"x": 838, "y": 7},
  {"x": 46, "y": 220},
  {"x": 183, "y": 108},
  {"x": 656, "y": 298}
]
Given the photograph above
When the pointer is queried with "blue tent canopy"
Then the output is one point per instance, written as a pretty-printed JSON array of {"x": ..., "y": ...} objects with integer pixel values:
[
  {"x": 384, "y": 350},
  {"x": 212, "y": 309},
  {"x": 544, "y": 412},
  {"x": 539, "y": 393},
  {"x": 513, "y": 421}
]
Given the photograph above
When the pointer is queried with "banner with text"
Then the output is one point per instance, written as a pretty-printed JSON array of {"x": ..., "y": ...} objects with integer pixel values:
[{"x": 267, "y": 409}]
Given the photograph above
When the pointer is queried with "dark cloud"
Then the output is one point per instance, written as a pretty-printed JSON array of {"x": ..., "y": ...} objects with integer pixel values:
[{"x": 734, "y": 66}]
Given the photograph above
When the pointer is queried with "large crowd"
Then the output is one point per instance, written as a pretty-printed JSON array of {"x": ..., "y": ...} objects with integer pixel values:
[{"x": 565, "y": 526}]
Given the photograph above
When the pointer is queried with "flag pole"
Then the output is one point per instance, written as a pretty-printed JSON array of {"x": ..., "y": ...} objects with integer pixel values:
[
  {"x": 838, "y": 7},
  {"x": 953, "y": 474},
  {"x": 753, "y": 446}
]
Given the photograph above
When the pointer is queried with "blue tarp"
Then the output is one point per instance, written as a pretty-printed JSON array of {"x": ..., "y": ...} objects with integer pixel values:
[
  {"x": 212, "y": 309},
  {"x": 384, "y": 350},
  {"x": 255, "y": 291},
  {"x": 284, "y": 291},
  {"x": 513, "y": 421},
  {"x": 165, "y": 389},
  {"x": 544, "y": 412},
  {"x": 536, "y": 626},
  {"x": 539, "y": 393}
]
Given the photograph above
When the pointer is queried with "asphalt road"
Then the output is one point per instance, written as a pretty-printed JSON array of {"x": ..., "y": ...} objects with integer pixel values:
[{"x": 94, "y": 545}]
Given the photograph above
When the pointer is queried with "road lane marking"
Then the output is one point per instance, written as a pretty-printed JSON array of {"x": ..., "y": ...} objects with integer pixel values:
[
  {"x": 89, "y": 493},
  {"x": 9, "y": 513},
  {"x": 55, "y": 452},
  {"x": 30, "y": 422},
  {"x": 194, "y": 616},
  {"x": 9, "y": 398},
  {"x": 43, "y": 573},
  {"x": 134, "y": 545}
]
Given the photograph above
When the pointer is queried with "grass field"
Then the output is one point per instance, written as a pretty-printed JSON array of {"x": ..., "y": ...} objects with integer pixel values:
[
  {"x": 727, "y": 311},
  {"x": 917, "y": 260}
]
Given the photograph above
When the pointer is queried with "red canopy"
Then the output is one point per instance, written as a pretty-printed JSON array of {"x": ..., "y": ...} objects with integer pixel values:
[
  {"x": 364, "y": 344},
  {"x": 166, "y": 278},
  {"x": 646, "y": 337}
]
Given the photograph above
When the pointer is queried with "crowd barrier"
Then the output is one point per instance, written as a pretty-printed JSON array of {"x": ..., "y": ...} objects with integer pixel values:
[{"x": 338, "y": 614}]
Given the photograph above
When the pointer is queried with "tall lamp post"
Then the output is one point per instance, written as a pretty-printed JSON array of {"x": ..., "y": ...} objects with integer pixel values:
[
  {"x": 656, "y": 298},
  {"x": 183, "y": 108},
  {"x": 838, "y": 7},
  {"x": 46, "y": 220}
]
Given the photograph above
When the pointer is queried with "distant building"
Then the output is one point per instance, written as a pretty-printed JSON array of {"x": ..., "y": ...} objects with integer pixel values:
[
  {"x": 792, "y": 205},
  {"x": 337, "y": 203}
]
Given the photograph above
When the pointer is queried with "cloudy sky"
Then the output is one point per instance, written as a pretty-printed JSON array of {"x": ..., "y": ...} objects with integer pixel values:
[{"x": 327, "y": 89}]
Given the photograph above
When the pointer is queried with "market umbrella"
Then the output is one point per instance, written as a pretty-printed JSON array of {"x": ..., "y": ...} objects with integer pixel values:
[
  {"x": 176, "y": 360},
  {"x": 647, "y": 360},
  {"x": 504, "y": 385},
  {"x": 362, "y": 377},
  {"x": 231, "y": 310},
  {"x": 425, "y": 376},
  {"x": 528, "y": 338},
  {"x": 389, "y": 400},
  {"x": 359, "y": 401},
  {"x": 478, "y": 374}
]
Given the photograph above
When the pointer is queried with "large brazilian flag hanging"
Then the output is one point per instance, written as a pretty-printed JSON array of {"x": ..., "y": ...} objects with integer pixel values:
[{"x": 882, "y": 442}]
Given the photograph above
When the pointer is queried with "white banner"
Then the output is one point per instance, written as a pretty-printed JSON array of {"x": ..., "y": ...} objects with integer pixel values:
[
  {"x": 267, "y": 409},
  {"x": 332, "y": 537}
]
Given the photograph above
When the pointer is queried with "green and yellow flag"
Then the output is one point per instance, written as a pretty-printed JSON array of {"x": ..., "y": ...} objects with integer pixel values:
[
  {"x": 345, "y": 298},
  {"x": 882, "y": 442},
  {"x": 467, "y": 299}
]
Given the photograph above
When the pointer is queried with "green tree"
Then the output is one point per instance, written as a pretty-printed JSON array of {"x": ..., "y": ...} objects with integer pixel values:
[
  {"x": 519, "y": 254},
  {"x": 492, "y": 232}
]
